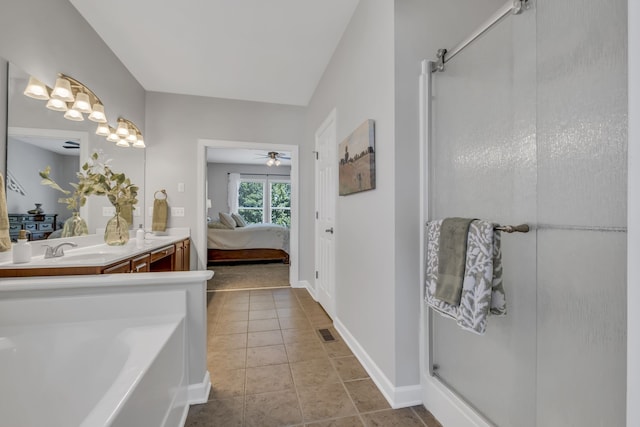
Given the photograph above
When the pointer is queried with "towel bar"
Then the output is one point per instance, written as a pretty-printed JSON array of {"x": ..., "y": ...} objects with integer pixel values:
[{"x": 522, "y": 228}]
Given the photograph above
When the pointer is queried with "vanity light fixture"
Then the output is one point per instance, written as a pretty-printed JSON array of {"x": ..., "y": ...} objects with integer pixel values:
[
  {"x": 75, "y": 99},
  {"x": 112, "y": 135},
  {"x": 36, "y": 89},
  {"x": 57, "y": 105},
  {"x": 62, "y": 90},
  {"x": 139, "y": 142},
  {"x": 73, "y": 114},
  {"x": 103, "y": 129},
  {"x": 123, "y": 130}
]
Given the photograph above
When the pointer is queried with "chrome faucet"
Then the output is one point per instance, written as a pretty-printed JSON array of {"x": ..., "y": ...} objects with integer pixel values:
[{"x": 58, "y": 251}]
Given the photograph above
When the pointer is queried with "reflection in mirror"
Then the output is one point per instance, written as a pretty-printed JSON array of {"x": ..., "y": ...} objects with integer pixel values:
[{"x": 39, "y": 137}]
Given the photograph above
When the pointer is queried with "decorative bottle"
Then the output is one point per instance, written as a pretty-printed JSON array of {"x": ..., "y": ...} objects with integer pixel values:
[
  {"x": 21, "y": 251},
  {"x": 140, "y": 236}
]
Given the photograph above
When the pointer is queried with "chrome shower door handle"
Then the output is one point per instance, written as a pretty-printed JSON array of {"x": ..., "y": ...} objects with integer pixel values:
[{"x": 329, "y": 230}]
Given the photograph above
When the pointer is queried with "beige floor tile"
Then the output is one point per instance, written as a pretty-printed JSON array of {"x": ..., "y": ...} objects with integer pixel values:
[
  {"x": 269, "y": 305},
  {"x": 313, "y": 372},
  {"x": 264, "y": 325},
  {"x": 233, "y": 316},
  {"x": 269, "y": 378},
  {"x": 262, "y": 314},
  {"x": 349, "y": 368},
  {"x": 338, "y": 422},
  {"x": 217, "y": 413},
  {"x": 227, "y": 342},
  {"x": 286, "y": 303},
  {"x": 300, "y": 351},
  {"x": 227, "y": 359},
  {"x": 325, "y": 401},
  {"x": 235, "y": 306},
  {"x": 294, "y": 323},
  {"x": 259, "y": 339},
  {"x": 268, "y": 355},
  {"x": 299, "y": 335},
  {"x": 235, "y": 327},
  {"x": 290, "y": 312},
  {"x": 226, "y": 384},
  {"x": 366, "y": 395},
  {"x": 337, "y": 349},
  {"x": 426, "y": 416},
  {"x": 392, "y": 418},
  {"x": 275, "y": 409}
]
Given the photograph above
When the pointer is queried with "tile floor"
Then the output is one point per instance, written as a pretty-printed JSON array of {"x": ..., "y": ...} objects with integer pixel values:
[{"x": 270, "y": 367}]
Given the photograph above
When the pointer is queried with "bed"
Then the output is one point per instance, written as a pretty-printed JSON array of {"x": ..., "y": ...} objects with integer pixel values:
[{"x": 252, "y": 243}]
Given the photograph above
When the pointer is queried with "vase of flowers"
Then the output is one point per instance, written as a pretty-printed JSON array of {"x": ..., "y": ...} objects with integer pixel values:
[{"x": 97, "y": 177}]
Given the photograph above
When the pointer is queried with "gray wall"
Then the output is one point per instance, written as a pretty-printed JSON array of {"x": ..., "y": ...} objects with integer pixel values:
[
  {"x": 44, "y": 38},
  {"x": 359, "y": 83},
  {"x": 37, "y": 158},
  {"x": 175, "y": 123},
  {"x": 217, "y": 179}
]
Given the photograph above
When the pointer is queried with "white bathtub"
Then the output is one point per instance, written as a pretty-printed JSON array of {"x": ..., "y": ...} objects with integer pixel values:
[{"x": 106, "y": 356}]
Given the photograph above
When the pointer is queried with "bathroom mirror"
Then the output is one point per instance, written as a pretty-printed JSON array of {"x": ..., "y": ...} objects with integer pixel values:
[{"x": 38, "y": 137}]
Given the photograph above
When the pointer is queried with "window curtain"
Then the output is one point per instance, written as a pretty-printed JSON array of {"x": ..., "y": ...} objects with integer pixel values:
[{"x": 232, "y": 192}]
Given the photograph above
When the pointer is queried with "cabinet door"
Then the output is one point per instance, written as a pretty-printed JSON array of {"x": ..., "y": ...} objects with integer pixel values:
[
  {"x": 186, "y": 257},
  {"x": 178, "y": 259},
  {"x": 122, "y": 267}
]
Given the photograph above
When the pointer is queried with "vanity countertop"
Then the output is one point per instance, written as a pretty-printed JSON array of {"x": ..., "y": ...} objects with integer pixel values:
[{"x": 91, "y": 253}]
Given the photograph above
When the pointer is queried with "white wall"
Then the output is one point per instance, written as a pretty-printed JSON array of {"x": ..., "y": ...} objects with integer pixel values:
[
  {"x": 217, "y": 178},
  {"x": 176, "y": 122}
]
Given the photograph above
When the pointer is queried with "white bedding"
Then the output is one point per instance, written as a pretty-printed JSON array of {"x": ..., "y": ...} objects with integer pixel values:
[{"x": 253, "y": 236}]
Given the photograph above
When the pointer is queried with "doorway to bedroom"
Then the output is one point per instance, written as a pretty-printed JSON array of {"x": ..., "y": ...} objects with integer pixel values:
[{"x": 248, "y": 221}]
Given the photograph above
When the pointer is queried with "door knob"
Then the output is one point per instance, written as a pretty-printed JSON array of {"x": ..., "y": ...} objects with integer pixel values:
[{"x": 329, "y": 230}]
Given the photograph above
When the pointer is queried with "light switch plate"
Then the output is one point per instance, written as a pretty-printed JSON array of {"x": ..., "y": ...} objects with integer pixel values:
[
  {"x": 177, "y": 211},
  {"x": 108, "y": 211}
]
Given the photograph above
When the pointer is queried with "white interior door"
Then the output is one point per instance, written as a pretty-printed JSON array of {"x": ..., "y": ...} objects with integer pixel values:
[{"x": 325, "y": 173}]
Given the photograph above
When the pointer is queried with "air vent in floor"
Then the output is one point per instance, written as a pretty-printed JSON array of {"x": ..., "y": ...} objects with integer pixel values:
[{"x": 326, "y": 335}]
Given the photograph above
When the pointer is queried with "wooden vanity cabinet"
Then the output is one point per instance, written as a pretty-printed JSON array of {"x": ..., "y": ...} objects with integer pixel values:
[{"x": 174, "y": 257}]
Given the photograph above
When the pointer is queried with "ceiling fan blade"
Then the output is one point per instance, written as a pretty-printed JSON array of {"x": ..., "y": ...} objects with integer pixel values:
[
  {"x": 73, "y": 147},
  {"x": 72, "y": 143}
]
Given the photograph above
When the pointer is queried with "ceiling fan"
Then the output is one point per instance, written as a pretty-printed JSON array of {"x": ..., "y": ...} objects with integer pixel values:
[
  {"x": 274, "y": 158},
  {"x": 71, "y": 145}
]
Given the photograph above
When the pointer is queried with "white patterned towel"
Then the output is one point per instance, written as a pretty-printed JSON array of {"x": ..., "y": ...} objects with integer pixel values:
[{"x": 482, "y": 291}]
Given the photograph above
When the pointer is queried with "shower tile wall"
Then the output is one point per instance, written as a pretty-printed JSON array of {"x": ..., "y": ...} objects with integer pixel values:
[{"x": 530, "y": 126}]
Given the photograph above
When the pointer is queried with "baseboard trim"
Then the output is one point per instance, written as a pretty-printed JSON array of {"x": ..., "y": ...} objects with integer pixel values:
[
  {"x": 199, "y": 393},
  {"x": 398, "y": 397},
  {"x": 448, "y": 407}
]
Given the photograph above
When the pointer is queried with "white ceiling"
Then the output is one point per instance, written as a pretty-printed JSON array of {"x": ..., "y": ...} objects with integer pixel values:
[{"x": 256, "y": 50}]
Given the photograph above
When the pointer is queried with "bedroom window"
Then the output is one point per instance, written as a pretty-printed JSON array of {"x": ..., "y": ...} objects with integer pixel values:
[{"x": 265, "y": 200}]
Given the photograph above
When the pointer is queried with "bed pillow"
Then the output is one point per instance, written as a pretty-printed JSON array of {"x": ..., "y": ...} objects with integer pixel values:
[
  {"x": 227, "y": 220},
  {"x": 240, "y": 222},
  {"x": 217, "y": 225}
]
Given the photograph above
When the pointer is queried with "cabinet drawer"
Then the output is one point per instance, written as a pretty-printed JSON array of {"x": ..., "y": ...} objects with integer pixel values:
[
  {"x": 30, "y": 226},
  {"x": 123, "y": 267},
  {"x": 45, "y": 227},
  {"x": 15, "y": 227},
  {"x": 50, "y": 218},
  {"x": 140, "y": 264},
  {"x": 162, "y": 252}
]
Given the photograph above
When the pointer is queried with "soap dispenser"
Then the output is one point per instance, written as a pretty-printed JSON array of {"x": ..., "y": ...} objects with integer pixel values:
[
  {"x": 21, "y": 251},
  {"x": 140, "y": 236}
]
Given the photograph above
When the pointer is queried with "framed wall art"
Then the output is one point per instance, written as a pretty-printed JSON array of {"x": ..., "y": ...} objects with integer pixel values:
[{"x": 357, "y": 164}]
